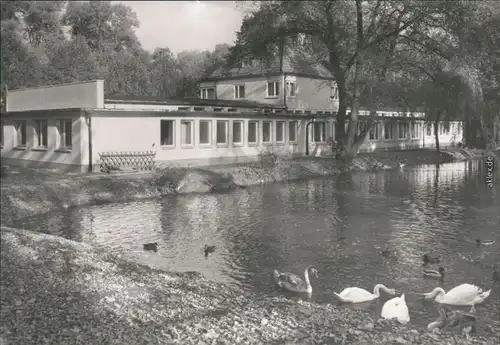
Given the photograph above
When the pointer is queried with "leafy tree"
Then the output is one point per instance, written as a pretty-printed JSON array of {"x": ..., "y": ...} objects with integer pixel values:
[
  {"x": 342, "y": 34},
  {"x": 42, "y": 18},
  {"x": 164, "y": 72},
  {"x": 195, "y": 65},
  {"x": 13, "y": 10},
  {"x": 20, "y": 67},
  {"x": 104, "y": 25},
  {"x": 457, "y": 58},
  {"x": 102, "y": 43},
  {"x": 70, "y": 61}
]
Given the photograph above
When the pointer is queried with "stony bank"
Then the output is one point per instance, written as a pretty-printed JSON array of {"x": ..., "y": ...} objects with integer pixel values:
[{"x": 56, "y": 291}]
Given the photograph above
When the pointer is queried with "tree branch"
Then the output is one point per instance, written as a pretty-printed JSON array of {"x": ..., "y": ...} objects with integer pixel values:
[
  {"x": 381, "y": 38},
  {"x": 359, "y": 24},
  {"x": 371, "y": 27},
  {"x": 427, "y": 47}
]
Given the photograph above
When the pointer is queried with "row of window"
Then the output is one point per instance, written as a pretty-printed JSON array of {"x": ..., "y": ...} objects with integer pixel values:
[
  {"x": 40, "y": 133},
  {"x": 253, "y": 132},
  {"x": 272, "y": 90},
  {"x": 405, "y": 130},
  {"x": 256, "y": 131}
]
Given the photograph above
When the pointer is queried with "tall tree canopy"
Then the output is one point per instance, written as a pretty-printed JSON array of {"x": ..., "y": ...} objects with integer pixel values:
[
  {"x": 52, "y": 42},
  {"x": 369, "y": 45}
]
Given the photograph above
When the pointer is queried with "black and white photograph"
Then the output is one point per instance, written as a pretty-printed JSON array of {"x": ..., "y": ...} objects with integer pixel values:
[{"x": 250, "y": 172}]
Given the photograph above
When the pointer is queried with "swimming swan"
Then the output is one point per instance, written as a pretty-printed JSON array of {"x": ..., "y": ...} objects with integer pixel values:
[
  {"x": 294, "y": 283},
  {"x": 358, "y": 295},
  {"x": 465, "y": 294},
  {"x": 452, "y": 318},
  {"x": 396, "y": 308}
]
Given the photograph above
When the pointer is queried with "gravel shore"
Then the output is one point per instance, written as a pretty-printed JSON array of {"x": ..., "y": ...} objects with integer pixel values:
[{"x": 56, "y": 291}]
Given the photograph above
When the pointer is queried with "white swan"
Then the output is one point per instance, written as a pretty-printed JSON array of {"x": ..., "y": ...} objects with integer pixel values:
[
  {"x": 465, "y": 294},
  {"x": 294, "y": 283},
  {"x": 358, "y": 295},
  {"x": 396, "y": 308}
]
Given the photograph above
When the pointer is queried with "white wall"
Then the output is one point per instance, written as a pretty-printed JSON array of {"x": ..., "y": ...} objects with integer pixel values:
[
  {"x": 136, "y": 132},
  {"x": 311, "y": 94},
  {"x": 76, "y": 95}
]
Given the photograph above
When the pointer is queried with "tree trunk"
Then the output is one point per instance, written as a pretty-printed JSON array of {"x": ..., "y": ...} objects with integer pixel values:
[
  {"x": 352, "y": 146},
  {"x": 436, "y": 131},
  {"x": 340, "y": 135}
]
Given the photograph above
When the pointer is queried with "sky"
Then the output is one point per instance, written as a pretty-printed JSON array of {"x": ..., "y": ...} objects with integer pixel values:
[{"x": 186, "y": 25}]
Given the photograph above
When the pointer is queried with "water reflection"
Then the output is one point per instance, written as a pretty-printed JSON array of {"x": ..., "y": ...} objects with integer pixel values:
[{"x": 338, "y": 224}]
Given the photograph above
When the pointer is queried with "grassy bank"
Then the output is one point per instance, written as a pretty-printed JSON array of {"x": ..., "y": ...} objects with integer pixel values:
[
  {"x": 63, "y": 292},
  {"x": 26, "y": 192}
]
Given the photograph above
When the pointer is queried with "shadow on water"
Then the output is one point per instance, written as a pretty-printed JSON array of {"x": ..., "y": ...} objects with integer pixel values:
[{"x": 337, "y": 224}]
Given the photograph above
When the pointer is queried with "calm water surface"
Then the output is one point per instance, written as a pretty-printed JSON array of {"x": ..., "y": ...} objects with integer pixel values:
[{"x": 425, "y": 209}]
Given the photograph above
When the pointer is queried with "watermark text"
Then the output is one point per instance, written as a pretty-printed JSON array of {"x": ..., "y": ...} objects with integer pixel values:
[{"x": 490, "y": 171}]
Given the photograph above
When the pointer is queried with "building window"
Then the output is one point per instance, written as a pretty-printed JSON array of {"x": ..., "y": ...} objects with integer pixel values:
[
  {"x": 246, "y": 63},
  {"x": 280, "y": 131},
  {"x": 1, "y": 134},
  {"x": 388, "y": 130},
  {"x": 273, "y": 89},
  {"x": 167, "y": 132},
  {"x": 292, "y": 131},
  {"x": 207, "y": 93},
  {"x": 403, "y": 130},
  {"x": 205, "y": 132},
  {"x": 253, "y": 133},
  {"x": 20, "y": 133},
  {"x": 291, "y": 89},
  {"x": 222, "y": 132},
  {"x": 65, "y": 134},
  {"x": 239, "y": 91},
  {"x": 444, "y": 128},
  {"x": 334, "y": 92},
  {"x": 319, "y": 132},
  {"x": 414, "y": 130},
  {"x": 40, "y": 133},
  {"x": 266, "y": 131},
  {"x": 186, "y": 133},
  {"x": 238, "y": 132},
  {"x": 361, "y": 127},
  {"x": 374, "y": 132}
]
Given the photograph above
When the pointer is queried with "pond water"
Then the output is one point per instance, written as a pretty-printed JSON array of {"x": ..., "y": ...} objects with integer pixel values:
[{"x": 432, "y": 209}]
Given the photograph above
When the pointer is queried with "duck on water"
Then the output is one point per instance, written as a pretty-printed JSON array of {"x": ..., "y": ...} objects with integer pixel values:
[
  {"x": 484, "y": 242},
  {"x": 151, "y": 246},
  {"x": 208, "y": 250},
  {"x": 429, "y": 259},
  {"x": 438, "y": 274}
]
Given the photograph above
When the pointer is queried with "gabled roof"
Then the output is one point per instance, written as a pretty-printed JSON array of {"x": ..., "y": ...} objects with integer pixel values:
[
  {"x": 188, "y": 101},
  {"x": 294, "y": 63}
]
